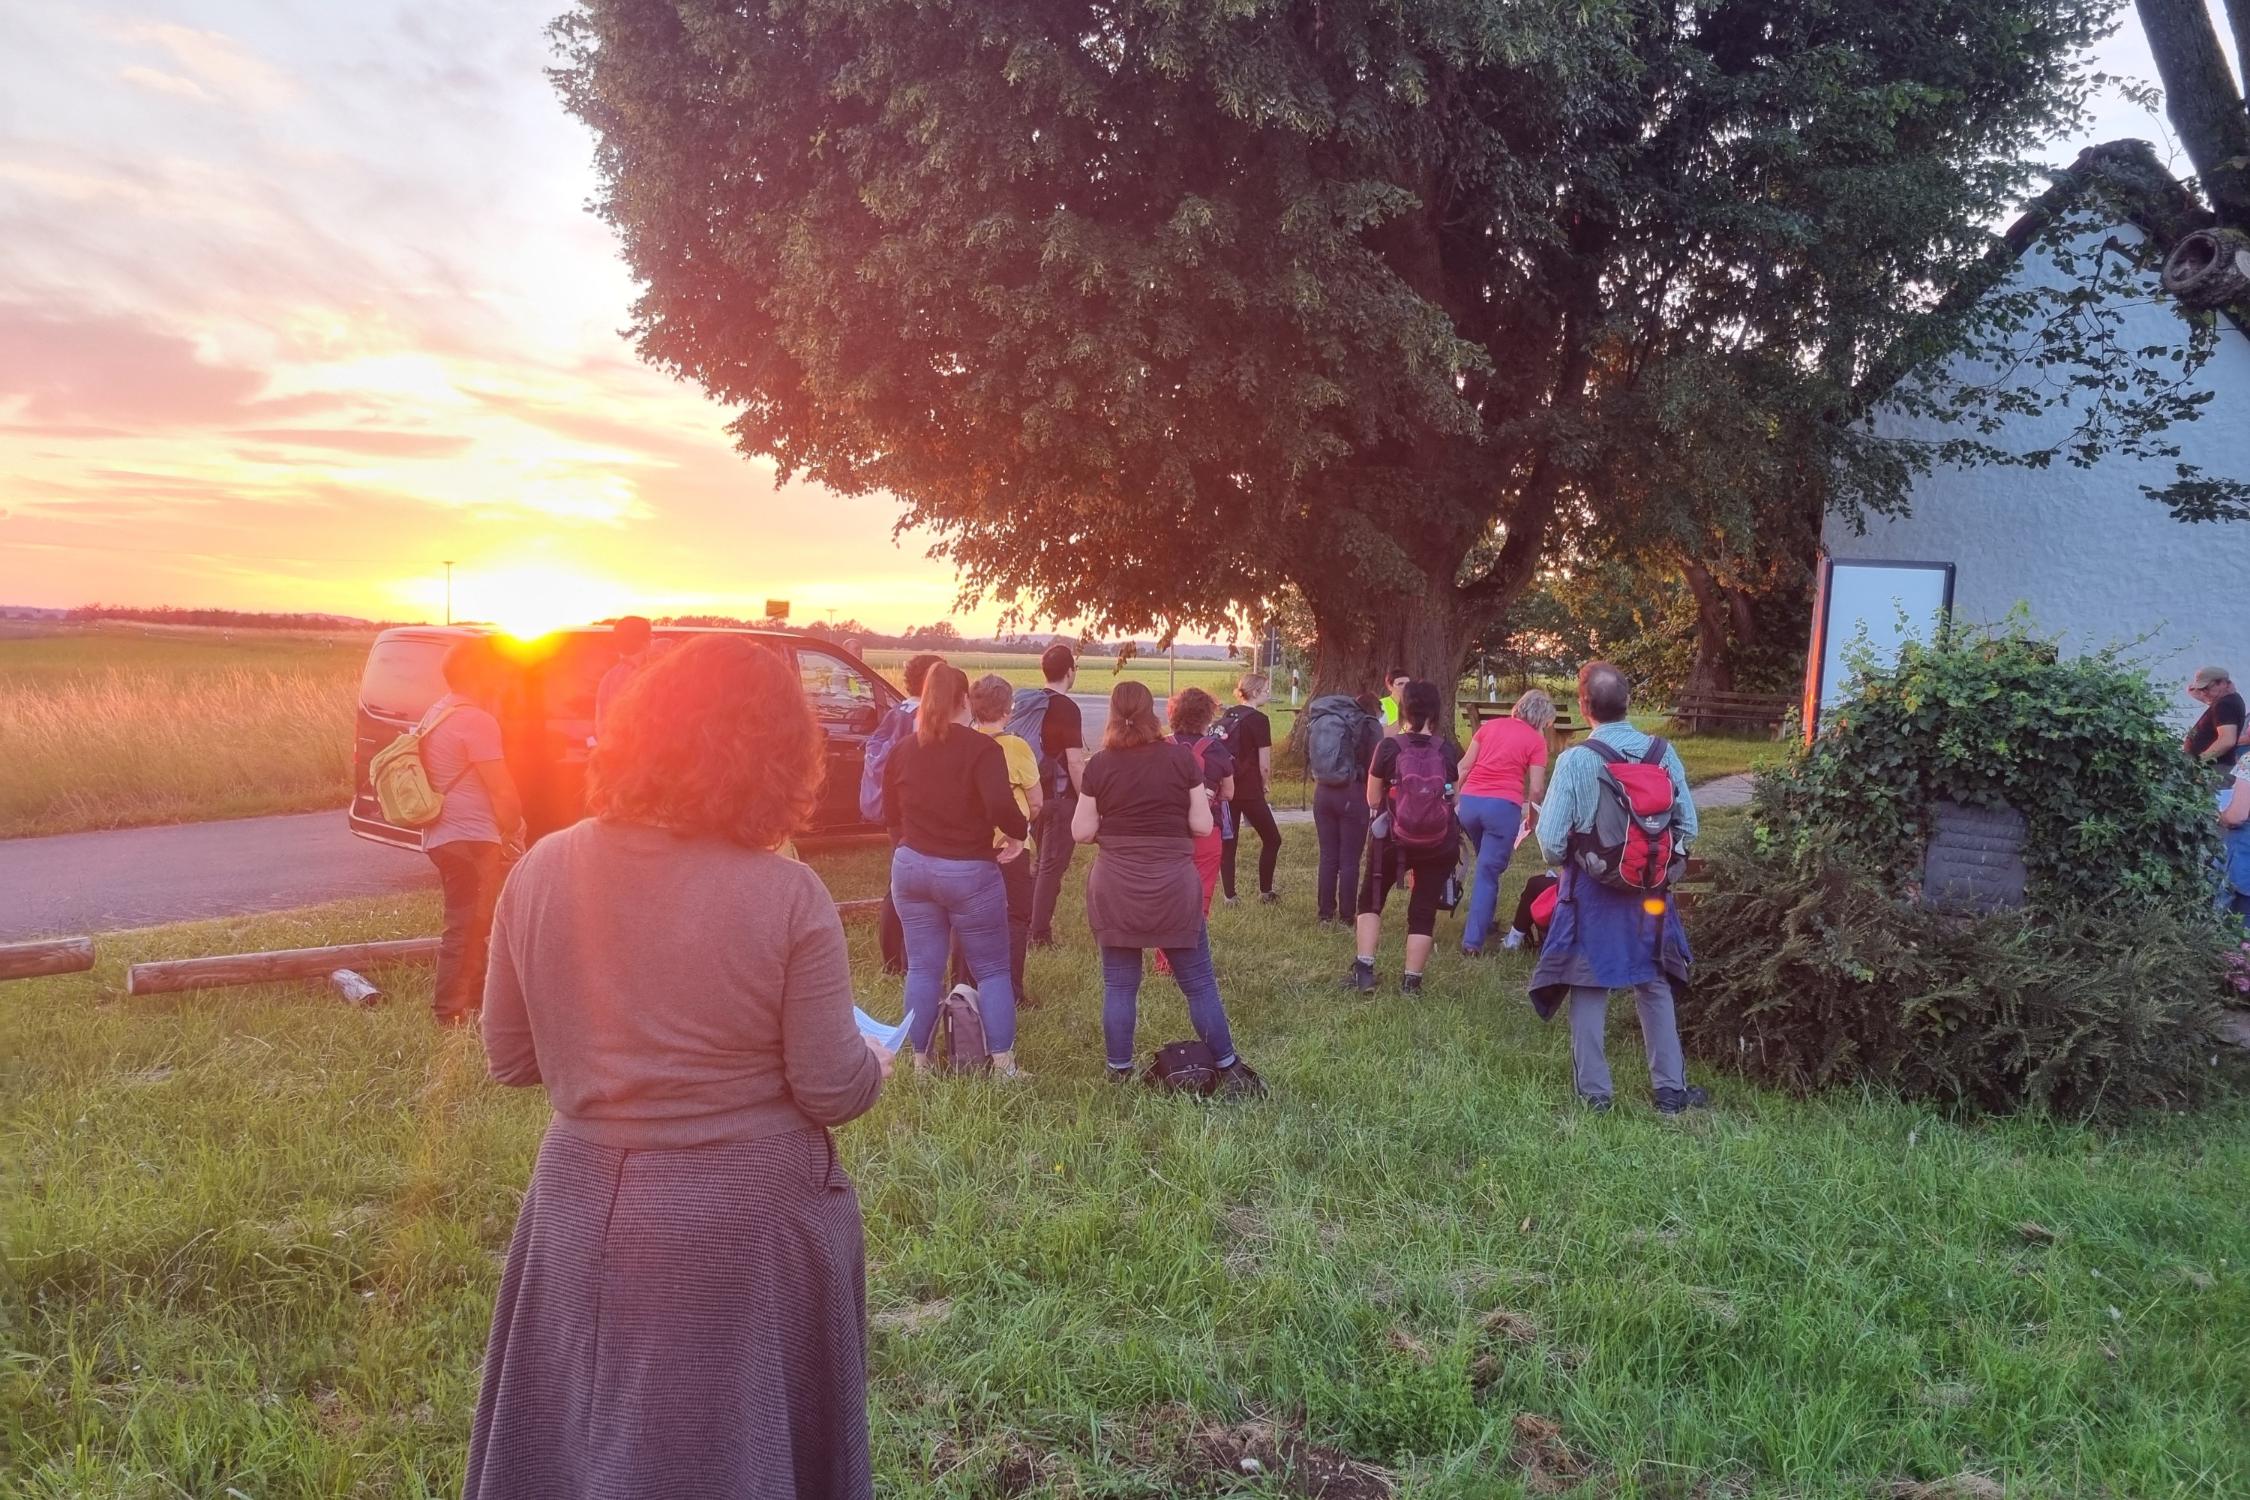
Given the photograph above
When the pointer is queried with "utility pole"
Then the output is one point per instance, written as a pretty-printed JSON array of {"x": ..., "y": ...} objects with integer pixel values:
[{"x": 449, "y": 591}]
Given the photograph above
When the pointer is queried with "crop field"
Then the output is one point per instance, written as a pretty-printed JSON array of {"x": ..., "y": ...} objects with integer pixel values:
[
  {"x": 252, "y": 1237},
  {"x": 113, "y": 728}
]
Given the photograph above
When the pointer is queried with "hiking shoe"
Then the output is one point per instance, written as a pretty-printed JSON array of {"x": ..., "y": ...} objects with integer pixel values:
[
  {"x": 1361, "y": 978},
  {"x": 1118, "y": 1075},
  {"x": 1469, "y": 952},
  {"x": 1240, "y": 1082},
  {"x": 1410, "y": 984},
  {"x": 1269, "y": 898},
  {"x": 1597, "y": 1103},
  {"x": 1680, "y": 1101}
]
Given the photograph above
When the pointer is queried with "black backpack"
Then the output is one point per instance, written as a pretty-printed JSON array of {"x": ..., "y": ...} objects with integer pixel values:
[{"x": 1183, "y": 1068}]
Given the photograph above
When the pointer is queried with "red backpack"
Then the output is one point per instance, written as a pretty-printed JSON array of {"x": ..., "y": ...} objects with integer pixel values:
[
  {"x": 1633, "y": 845},
  {"x": 1421, "y": 818}
]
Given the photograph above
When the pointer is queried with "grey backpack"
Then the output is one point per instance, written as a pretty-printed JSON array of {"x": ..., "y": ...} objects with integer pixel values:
[{"x": 960, "y": 1026}]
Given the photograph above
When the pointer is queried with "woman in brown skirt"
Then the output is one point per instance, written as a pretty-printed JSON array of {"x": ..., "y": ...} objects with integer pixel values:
[
  {"x": 1143, "y": 801},
  {"x": 684, "y": 1309}
]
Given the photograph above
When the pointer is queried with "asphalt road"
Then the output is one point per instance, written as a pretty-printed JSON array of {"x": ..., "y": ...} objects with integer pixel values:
[{"x": 140, "y": 877}]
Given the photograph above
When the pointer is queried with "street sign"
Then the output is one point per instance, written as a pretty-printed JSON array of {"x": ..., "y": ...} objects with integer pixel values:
[{"x": 777, "y": 609}]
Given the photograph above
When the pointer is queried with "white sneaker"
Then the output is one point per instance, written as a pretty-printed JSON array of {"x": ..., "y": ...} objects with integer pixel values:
[{"x": 1512, "y": 941}]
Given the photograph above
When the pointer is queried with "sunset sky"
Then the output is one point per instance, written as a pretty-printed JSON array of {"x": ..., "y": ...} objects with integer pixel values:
[{"x": 297, "y": 300}]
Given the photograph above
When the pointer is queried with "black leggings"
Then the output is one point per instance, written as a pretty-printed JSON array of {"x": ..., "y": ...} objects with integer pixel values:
[
  {"x": 1259, "y": 816},
  {"x": 1388, "y": 867}
]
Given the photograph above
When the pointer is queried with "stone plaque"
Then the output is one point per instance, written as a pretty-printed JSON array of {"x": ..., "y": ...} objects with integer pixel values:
[{"x": 1975, "y": 859}]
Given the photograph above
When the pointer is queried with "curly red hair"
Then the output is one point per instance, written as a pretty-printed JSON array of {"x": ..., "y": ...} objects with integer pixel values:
[{"x": 712, "y": 737}]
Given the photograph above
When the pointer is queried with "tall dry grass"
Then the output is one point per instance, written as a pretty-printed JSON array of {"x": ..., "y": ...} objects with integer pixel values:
[{"x": 120, "y": 747}]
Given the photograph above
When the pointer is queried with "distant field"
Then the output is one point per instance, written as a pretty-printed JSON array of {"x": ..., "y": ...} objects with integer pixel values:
[
  {"x": 114, "y": 728},
  {"x": 1096, "y": 674}
]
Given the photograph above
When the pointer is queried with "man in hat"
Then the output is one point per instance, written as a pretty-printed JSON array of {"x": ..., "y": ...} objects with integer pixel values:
[{"x": 2217, "y": 736}]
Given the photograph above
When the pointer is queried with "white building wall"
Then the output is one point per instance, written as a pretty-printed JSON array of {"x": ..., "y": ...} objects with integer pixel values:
[{"x": 2096, "y": 561}]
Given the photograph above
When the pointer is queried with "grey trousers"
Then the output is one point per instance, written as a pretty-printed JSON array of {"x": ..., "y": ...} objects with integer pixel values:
[{"x": 1660, "y": 1033}]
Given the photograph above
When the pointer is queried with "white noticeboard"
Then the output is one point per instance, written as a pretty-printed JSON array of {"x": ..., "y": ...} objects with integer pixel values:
[{"x": 1883, "y": 603}]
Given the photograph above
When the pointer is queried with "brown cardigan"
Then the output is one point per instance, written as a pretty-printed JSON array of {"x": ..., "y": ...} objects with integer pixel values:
[{"x": 673, "y": 991}]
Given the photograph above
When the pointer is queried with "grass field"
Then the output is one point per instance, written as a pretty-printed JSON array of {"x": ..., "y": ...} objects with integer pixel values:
[
  {"x": 251, "y": 1240},
  {"x": 113, "y": 728}
]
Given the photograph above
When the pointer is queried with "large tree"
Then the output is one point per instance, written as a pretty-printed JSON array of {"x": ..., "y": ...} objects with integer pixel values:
[
  {"x": 1152, "y": 308},
  {"x": 2204, "y": 99}
]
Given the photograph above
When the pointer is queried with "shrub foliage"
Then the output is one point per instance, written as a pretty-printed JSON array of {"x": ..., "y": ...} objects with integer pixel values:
[
  {"x": 2080, "y": 747},
  {"x": 1816, "y": 966}
]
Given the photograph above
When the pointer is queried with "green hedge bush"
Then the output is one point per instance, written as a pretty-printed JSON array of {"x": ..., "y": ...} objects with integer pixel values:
[{"x": 1815, "y": 966}]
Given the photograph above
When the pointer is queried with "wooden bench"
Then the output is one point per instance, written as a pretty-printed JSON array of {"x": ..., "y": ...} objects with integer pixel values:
[
  {"x": 1699, "y": 709},
  {"x": 1566, "y": 726}
]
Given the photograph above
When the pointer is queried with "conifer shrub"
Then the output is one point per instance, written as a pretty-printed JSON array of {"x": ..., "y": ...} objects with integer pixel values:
[{"x": 1816, "y": 964}]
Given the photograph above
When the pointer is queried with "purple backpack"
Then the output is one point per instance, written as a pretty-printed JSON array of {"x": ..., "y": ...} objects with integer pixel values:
[{"x": 1421, "y": 818}]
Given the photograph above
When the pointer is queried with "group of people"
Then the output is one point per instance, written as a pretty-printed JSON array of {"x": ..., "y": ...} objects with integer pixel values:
[
  {"x": 987, "y": 792},
  {"x": 969, "y": 773},
  {"x": 683, "y": 1303}
]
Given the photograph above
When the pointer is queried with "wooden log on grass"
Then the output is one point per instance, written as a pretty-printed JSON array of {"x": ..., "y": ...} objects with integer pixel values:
[
  {"x": 74, "y": 955},
  {"x": 172, "y": 975},
  {"x": 169, "y": 976}
]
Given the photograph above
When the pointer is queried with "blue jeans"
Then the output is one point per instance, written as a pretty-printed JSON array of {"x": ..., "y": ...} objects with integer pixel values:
[
  {"x": 1492, "y": 824},
  {"x": 943, "y": 901},
  {"x": 1198, "y": 981}
]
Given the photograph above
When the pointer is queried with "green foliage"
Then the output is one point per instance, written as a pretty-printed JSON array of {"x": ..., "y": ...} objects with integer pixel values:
[
  {"x": 1146, "y": 310},
  {"x": 1811, "y": 973},
  {"x": 1817, "y": 965},
  {"x": 1996, "y": 717}
]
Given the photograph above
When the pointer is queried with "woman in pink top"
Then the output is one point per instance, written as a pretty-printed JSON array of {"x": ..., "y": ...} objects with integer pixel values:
[{"x": 1504, "y": 772}]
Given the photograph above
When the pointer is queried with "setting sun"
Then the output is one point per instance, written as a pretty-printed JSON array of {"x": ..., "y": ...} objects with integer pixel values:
[{"x": 531, "y": 599}]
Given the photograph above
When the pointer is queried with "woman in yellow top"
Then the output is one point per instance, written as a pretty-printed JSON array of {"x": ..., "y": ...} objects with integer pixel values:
[{"x": 990, "y": 698}]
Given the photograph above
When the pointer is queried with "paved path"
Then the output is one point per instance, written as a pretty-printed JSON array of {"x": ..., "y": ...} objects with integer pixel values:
[{"x": 137, "y": 877}]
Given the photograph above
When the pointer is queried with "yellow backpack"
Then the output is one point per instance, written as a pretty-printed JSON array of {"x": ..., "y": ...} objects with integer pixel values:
[{"x": 402, "y": 782}]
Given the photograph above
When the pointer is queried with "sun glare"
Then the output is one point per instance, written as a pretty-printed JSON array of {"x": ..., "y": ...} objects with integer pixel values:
[{"x": 529, "y": 601}]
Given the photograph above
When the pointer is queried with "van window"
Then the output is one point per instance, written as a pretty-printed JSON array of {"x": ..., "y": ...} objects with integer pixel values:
[
  {"x": 834, "y": 688},
  {"x": 403, "y": 677}
]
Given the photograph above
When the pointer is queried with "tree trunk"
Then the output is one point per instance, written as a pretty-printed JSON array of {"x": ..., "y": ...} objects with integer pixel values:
[
  {"x": 2203, "y": 100},
  {"x": 1428, "y": 634},
  {"x": 2238, "y": 15},
  {"x": 1713, "y": 670}
]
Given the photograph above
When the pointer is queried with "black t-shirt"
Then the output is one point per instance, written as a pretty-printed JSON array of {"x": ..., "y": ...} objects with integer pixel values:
[
  {"x": 2228, "y": 710},
  {"x": 1248, "y": 732},
  {"x": 1385, "y": 768},
  {"x": 1063, "y": 729},
  {"x": 948, "y": 798},
  {"x": 1218, "y": 763},
  {"x": 1143, "y": 789}
]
